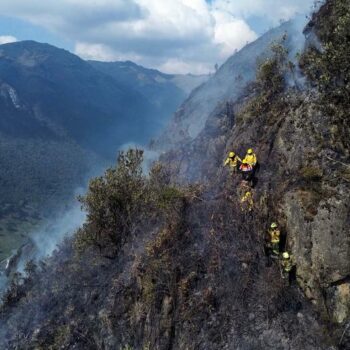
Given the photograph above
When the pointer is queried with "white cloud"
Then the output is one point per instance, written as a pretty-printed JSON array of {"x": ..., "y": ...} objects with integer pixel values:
[
  {"x": 231, "y": 33},
  {"x": 273, "y": 10},
  {"x": 97, "y": 52},
  {"x": 179, "y": 36},
  {"x": 5, "y": 39},
  {"x": 175, "y": 35}
]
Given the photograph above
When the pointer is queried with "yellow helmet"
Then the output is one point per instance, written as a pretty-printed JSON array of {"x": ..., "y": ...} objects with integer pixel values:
[
  {"x": 285, "y": 255},
  {"x": 250, "y": 151},
  {"x": 231, "y": 154},
  {"x": 248, "y": 194},
  {"x": 273, "y": 225}
]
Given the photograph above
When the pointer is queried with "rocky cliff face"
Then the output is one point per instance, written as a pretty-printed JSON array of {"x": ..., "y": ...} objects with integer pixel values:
[
  {"x": 304, "y": 176},
  {"x": 302, "y": 183}
]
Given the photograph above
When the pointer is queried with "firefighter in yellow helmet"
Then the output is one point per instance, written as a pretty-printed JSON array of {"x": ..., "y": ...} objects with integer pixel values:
[
  {"x": 250, "y": 158},
  {"x": 232, "y": 161},
  {"x": 288, "y": 266},
  {"x": 273, "y": 243},
  {"x": 247, "y": 203}
]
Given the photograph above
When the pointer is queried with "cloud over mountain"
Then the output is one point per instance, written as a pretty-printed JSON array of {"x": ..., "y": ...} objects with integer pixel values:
[
  {"x": 172, "y": 35},
  {"x": 6, "y": 39}
]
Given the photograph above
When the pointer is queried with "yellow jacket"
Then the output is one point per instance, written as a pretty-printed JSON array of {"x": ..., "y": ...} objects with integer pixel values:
[
  {"x": 274, "y": 235},
  {"x": 250, "y": 159},
  {"x": 247, "y": 201},
  {"x": 287, "y": 264},
  {"x": 232, "y": 162}
]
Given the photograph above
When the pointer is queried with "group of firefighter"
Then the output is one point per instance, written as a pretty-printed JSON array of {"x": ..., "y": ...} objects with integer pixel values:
[{"x": 248, "y": 167}]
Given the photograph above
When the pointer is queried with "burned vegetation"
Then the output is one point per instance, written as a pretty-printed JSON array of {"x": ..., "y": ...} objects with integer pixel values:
[
  {"x": 165, "y": 264},
  {"x": 188, "y": 270}
]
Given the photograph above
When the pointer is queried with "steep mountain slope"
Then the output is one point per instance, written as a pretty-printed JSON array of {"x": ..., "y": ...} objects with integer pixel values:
[
  {"x": 187, "y": 272},
  {"x": 164, "y": 91},
  {"x": 227, "y": 84},
  {"x": 163, "y": 266}
]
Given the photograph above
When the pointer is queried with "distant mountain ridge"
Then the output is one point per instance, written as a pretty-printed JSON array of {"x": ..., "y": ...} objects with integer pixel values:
[
  {"x": 67, "y": 96},
  {"x": 124, "y": 70},
  {"x": 62, "y": 94},
  {"x": 164, "y": 91}
]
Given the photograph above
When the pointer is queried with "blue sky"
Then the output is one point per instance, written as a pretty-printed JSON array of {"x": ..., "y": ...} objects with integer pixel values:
[
  {"x": 24, "y": 30},
  {"x": 176, "y": 36}
]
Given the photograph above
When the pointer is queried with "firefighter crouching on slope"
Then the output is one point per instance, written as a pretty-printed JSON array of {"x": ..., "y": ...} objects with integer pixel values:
[
  {"x": 288, "y": 267},
  {"x": 273, "y": 242},
  {"x": 247, "y": 202},
  {"x": 233, "y": 161}
]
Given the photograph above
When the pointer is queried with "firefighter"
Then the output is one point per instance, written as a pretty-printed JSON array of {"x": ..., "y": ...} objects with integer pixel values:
[
  {"x": 288, "y": 267},
  {"x": 247, "y": 203},
  {"x": 274, "y": 240},
  {"x": 233, "y": 161},
  {"x": 250, "y": 158}
]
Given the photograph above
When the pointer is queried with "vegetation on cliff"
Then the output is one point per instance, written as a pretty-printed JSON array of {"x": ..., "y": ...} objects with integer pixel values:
[{"x": 326, "y": 64}]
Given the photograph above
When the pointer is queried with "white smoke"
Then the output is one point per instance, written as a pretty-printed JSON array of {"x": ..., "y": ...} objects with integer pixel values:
[
  {"x": 44, "y": 240},
  {"x": 298, "y": 43},
  {"x": 53, "y": 232}
]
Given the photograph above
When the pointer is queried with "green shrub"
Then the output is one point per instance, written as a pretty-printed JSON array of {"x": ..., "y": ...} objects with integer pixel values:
[
  {"x": 126, "y": 347},
  {"x": 270, "y": 83},
  {"x": 120, "y": 203},
  {"x": 114, "y": 204},
  {"x": 311, "y": 173},
  {"x": 271, "y": 72},
  {"x": 169, "y": 196},
  {"x": 62, "y": 334}
]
